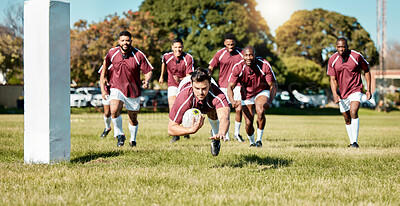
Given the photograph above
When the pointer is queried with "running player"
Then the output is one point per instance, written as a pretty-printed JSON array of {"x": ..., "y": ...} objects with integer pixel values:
[
  {"x": 124, "y": 64},
  {"x": 179, "y": 64},
  {"x": 344, "y": 69},
  {"x": 258, "y": 90},
  {"x": 225, "y": 58}
]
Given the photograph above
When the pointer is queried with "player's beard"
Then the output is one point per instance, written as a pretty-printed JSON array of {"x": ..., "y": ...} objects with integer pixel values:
[{"x": 128, "y": 47}]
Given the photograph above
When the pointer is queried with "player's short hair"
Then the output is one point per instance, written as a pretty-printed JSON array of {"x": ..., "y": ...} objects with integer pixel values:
[
  {"x": 341, "y": 39},
  {"x": 200, "y": 75},
  {"x": 230, "y": 36},
  {"x": 177, "y": 40},
  {"x": 125, "y": 33}
]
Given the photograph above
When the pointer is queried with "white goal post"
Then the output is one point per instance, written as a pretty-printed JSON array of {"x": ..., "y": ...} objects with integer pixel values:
[{"x": 47, "y": 127}]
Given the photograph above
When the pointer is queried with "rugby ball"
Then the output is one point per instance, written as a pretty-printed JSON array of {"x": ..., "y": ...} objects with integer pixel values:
[{"x": 189, "y": 115}]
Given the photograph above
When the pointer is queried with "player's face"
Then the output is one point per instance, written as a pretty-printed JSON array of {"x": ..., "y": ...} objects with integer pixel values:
[
  {"x": 200, "y": 89},
  {"x": 230, "y": 44},
  {"x": 341, "y": 47},
  {"x": 248, "y": 56},
  {"x": 125, "y": 43},
  {"x": 177, "y": 48}
]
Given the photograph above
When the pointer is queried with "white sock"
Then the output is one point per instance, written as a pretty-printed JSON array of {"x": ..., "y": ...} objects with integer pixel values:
[
  {"x": 251, "y": 139},
  {"x": 259, "y": 134},
  {"x": 237, "y": 128},
  {"x": 355, "y": 125},
  {"x": 214, "y": 126},
  {"x": 117, "y": 122},
  {"x": 107, "y": 122},
  {"x": 349, "y": 133},
  {"x": 133, "y": 130}
]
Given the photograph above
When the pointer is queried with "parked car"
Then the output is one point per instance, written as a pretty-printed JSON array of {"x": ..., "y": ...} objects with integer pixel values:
[
  {"x": 311, "y": 99},
  {"x": 148, "y": 98},
  {"x": 285, "y": 99},
  {"x": 77, "y": 100},
  {"x": 86, "y": 96}
]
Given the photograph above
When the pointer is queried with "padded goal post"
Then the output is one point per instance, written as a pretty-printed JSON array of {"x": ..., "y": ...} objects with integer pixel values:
[{"x": 47, "y": 127}]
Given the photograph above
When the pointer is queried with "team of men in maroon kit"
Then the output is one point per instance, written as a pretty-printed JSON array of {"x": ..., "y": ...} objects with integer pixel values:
[{"x": 246, "y": 82}]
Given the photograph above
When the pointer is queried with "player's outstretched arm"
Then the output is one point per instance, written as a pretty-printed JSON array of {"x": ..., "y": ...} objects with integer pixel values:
[
  {"x": 175, "y": 129},
  {"x": 334, "y": 87},
  {"x": 223, "y": 117}
]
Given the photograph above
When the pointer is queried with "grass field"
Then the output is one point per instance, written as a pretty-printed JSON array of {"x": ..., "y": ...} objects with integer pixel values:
[{"x": 304, "y": 161}]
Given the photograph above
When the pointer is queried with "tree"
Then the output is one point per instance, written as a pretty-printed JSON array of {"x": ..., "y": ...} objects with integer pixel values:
[
  {"x": 11, "y": 49},
  {"x": 90, "y": 43},
  {"x": 313, "y": 35},
  {"x": 303, "y": 73},
  {"x": 203, "y": 24}
]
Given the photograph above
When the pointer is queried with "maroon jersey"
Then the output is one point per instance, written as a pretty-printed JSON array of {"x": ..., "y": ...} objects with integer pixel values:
[
  {"x": 253, "y": 80},
  {"x": 225, "y": 61},
  {"x": 347, "y": 72},
  {"x": 124, "y": 71},
  {"x": 179, "y": 67},
  {"x": 186, "y": 100}
]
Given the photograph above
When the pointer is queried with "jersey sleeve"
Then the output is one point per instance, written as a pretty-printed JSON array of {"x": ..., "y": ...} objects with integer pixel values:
[
  {"x": 330, "y": 70},
  {"x": 107, "y": 58},
  {"x": 190, "y": 64},
  {"x": 145, "y": 65},
  {"x": 219, "y": 100},
  {"x": 363, "y": 63},
  {"x": 269, "y": 73},
  {"x": 181, "y": 105},
  {"x": 215, "y": 60},
  {"x": 234, "y": 75}
]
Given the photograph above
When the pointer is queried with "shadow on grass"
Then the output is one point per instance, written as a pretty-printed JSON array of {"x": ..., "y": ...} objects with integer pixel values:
[
  {"x": 265, "y": 163},
  {"x": 311, "y": 145},
  {"x": 95, "y": 155}
]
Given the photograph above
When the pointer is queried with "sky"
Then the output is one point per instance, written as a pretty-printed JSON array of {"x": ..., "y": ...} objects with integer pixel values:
[{"x": 276, "y": 12}]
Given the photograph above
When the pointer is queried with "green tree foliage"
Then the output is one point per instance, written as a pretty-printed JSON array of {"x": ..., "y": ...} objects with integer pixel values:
[
  {"x": 303, "y": 73},
  {"x": 313, "y": 34},
  {"x": 11, "y": 55},
  {"x": 203, "y": 24},
  {"x": 91, "y": 42}
]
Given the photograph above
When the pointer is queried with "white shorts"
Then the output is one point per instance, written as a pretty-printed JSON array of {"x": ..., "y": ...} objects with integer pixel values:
[
  {"x": 237, "y": 96},
  {"x": 106, "y": 101},
  {"x": 172, "y": 91},
  {"x": 131, "y": 104},
  {"x": 253, "y": 99},
  {"x": 344, "y": 104}
]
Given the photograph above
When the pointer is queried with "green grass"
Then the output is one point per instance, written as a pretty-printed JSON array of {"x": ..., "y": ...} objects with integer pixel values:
[{"x": 305, "y": 160}]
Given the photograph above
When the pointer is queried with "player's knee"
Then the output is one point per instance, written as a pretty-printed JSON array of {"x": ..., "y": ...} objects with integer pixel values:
[{"x": 354, "y": 114}]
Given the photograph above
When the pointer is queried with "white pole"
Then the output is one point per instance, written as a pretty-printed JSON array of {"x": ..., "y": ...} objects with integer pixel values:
[{"x": 47, "y": 127}]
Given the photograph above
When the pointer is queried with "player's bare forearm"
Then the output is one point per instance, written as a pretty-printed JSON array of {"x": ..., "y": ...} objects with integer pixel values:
[
  {"x": 368, "y": 80},
  {"x": 334, "y": 86},
  {"x": 161, "y": 80},
  {"x": 147, "y": 78},
  {"x": 175, "y": 129},
  {"x": 103, "y": 79},
  {"x": 273, "y": 86},
  {"x": 223, "y": 116},
  {"x": 230, "y": 91},
  {"x": 210, "y": 70}
]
